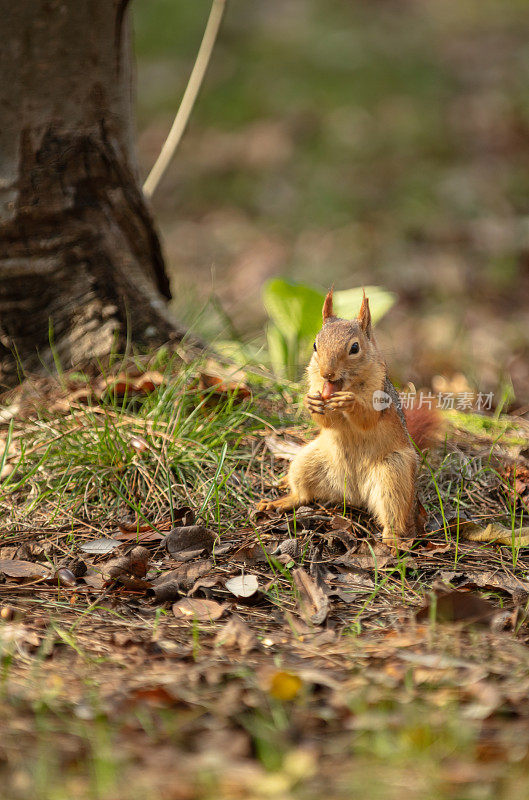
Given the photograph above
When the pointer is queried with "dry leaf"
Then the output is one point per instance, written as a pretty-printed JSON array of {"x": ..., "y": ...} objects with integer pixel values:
[
  {"x": 129, "y": 570},
  {"x": 341, "y": 523},
  {"x": 93, "y": 578},
  {"x": 141, "y": 536},
  {"x": 351, "y": 585},
  {"x": 243, "y": 586},
  {"x": 457, "y": 606},
  {"x": 517, "y": 479},
  {"x": 15, "y": 568},
  {"x": 182, "y": 542},
  {"x": 170, "y": 585},
  {"x": 166, "y": 591},
  {"x": 495, "y": 533},
  {"x": 223, "y": 387},
  {"x": 135, "y": 526},
  {"x": 205, "y": 583},
  {"x": 488, "y": 579},
  {"x": 136, "y": 563},
  {"x": 314, "y": 603},
  {"x": 376, "y": 560},
  {"x": 198, "y": 609},
  {"x": 25, "y": 640},
  {"x": 236, "y": 633},
  {"x": 125, "y": 385},
  {"x": 100, "y": 546},
  {"x": 252, "y": 554}
]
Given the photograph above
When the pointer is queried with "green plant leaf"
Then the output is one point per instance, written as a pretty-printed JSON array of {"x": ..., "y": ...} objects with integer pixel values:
[
  {"x": 277, "y": 349},
  {"x": 347, "y": 303},
  {"x": 294, "y": 307}
]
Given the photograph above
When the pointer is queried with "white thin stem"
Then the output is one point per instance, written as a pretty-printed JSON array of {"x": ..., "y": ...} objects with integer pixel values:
[{"x": 188, "y": 100}]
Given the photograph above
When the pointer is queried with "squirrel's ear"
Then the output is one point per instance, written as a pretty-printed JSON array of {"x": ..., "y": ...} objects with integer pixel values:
[
  {"x": 327, "y": 311},
  {"x": 364, "y": 316}
]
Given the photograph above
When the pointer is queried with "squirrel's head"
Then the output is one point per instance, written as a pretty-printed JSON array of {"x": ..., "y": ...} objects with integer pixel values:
[{"x": 345, "y": 353}]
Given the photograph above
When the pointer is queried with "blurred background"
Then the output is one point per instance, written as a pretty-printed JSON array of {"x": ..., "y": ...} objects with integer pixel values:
[{"x": 376, "y": 142}]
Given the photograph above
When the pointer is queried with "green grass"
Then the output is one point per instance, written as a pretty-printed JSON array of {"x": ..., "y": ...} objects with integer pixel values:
[{"x": 85, "y": 465}]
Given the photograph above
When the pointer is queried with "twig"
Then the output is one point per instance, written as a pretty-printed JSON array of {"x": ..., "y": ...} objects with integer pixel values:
[{"x": 188, "y": 101}]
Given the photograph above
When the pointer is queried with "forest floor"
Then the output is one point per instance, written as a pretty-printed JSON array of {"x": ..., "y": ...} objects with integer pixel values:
[{"x": 158, "y": 639}]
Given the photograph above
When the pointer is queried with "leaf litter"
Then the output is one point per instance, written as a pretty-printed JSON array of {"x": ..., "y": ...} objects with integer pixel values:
[
  {"x": 243, "y": 586},
  {"x": 333, "y": 615}
]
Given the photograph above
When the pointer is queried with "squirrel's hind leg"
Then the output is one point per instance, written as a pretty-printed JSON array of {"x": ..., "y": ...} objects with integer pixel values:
[
  {"x": 392, "y": 496},
  {"x": 286, "y": 503},
  {"x": 307, "y": 478}
]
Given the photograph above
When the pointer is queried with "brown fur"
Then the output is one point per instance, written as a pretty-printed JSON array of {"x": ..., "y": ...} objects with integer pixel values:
[{"x": 361, "y": 454}]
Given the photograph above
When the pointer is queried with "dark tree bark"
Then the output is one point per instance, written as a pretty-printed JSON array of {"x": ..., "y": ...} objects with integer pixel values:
[{"x": 79, "y": 255}]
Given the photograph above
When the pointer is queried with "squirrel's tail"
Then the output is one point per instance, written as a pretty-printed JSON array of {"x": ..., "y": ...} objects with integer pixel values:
[{"x": 424, "y": 426}]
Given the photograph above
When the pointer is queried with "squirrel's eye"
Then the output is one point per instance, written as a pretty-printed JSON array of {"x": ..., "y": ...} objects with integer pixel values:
[
  {"x": 315, "y": 348},
  {"x": 355, "y": 347}
]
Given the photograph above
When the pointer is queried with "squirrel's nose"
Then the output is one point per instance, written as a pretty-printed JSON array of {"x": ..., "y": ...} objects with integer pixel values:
[{"x": 328, "y": 375}]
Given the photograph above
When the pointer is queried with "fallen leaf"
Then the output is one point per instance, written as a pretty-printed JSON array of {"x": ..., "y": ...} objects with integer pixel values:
[
  {"x": 133, "y": 525},
  {"x": 15, "y": 568},
  {"x": 94, "y": 578},
  {"x": 170, "y": 585},
  {"x": 223, "y": 387},
  {"x": 236, "y": 634},
  {"x": 457, "y": 606},
  {"x": 125, "y": 385},
  {"x": 129, "y": 570},
  {"x": 170, "y": 648},
  {"x": 198, "y": 609},
  {"x": 341, "y": 523},
  {"x": 517, "y": 483},
  {"x": 182, "y": 541},
  {"x": 351, "y": 585},
  {"x": 495, "y": 533},
  {"x": 487, "y": 579},
  {"x": 379, "y": 559},
  {"x": 314, "y": 603},
  {"x": 136, "y": 563},
  {"x": 243, "y": 586},
  {"x": 164, "y": 592},
  {"x": 252, "y": 554},
  {"x": 100, "y": 546},
  {"x": 205, "y": 583},
  {"x": 141, "y": 536}
]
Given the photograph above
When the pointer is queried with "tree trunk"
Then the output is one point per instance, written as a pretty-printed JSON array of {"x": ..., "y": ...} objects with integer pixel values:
[{"x": 81, "y": 267}]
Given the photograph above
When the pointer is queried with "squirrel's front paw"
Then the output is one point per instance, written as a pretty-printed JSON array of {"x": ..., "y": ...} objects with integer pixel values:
[
  {"x": 315, "y": 403},
  {"x": 341, "y": 401}
]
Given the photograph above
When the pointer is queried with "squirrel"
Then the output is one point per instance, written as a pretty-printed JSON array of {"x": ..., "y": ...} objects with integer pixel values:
[{"x": 364, "y": 453}]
